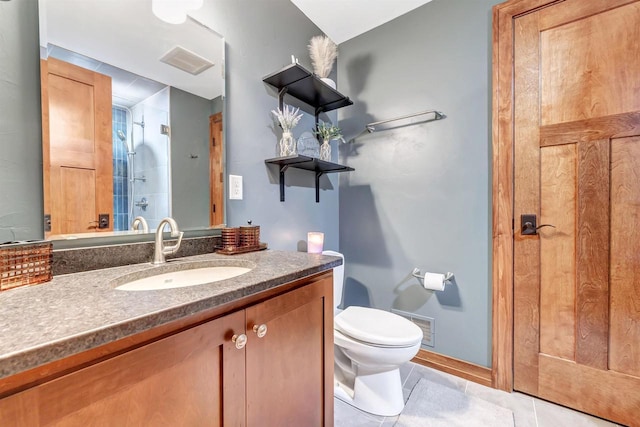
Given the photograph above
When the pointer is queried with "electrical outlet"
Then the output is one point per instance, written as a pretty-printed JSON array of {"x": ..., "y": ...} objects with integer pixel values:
[{"x": 235, "y": 187}]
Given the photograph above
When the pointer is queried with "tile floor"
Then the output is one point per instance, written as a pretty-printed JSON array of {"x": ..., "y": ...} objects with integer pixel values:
[{"x": 528, "y": 411}]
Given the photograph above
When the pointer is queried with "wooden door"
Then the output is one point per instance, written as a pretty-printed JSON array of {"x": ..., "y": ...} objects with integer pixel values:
[
  {"x": 290, "y": 369},
  {"x": 77, "y": 146},
  {"x": 193, "y": 378},
  {"x": 577, "y": 167},
  {"x": 216, "y": 173}
]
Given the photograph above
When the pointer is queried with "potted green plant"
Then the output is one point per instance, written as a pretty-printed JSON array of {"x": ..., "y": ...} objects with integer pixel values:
[{"x": 325, "y": 133}]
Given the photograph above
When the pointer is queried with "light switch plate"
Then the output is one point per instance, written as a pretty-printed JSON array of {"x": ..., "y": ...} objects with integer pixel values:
[{"x": 235, "y": 187}]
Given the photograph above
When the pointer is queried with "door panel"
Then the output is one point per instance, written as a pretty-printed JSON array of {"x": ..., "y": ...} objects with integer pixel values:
[
  {"x": 71, "y": 114},
  {"x": 557, "y": 250},
  {"x": 580, "y": 61},
  {"x": 77, "y": 145},
  {"x": 624, "y": 338},
  {"x": 76, "y": 186},
  {"x": 576, "y": 163},
  {"x": 592, "y": 292}
]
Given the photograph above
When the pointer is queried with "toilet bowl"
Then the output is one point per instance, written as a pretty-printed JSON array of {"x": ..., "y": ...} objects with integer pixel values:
[{"x": 369, "y": 346}]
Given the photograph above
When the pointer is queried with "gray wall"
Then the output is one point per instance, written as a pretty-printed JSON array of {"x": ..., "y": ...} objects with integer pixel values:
[
  {"x": 421, "y": 194},
  {"x": 217, "y": 105},
  {"x": 189, "y": 115},
  {"x": 261, "y": 36},
  {"x": 21, "y": 207}
]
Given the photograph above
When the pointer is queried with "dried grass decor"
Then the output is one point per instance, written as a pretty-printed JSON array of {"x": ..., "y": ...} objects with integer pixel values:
[{"x": 323, "y": 53}]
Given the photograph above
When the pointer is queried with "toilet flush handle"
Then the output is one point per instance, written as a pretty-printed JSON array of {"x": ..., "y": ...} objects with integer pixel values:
[{"x": 260, "y": 330}]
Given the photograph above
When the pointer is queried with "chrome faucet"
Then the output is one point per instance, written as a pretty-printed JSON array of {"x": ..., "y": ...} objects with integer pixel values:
[
  {"x": 161, "y": 250},
  {"x": 140, "y": 222}
]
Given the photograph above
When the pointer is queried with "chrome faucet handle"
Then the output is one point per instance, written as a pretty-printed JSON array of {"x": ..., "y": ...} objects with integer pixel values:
[{"x": 169, "y": 250}]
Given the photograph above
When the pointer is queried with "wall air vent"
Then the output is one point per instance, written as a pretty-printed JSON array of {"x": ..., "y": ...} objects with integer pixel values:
[
  {"x": 427, "y": 324},
  {"x": 186, "y": 60}
]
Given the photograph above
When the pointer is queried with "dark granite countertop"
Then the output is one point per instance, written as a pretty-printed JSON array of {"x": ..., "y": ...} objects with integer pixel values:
[{"x": 77, "y": 312}]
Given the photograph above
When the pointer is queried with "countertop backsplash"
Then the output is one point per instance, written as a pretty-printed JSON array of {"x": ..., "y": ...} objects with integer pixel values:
[{"x": 66, "y": 261}]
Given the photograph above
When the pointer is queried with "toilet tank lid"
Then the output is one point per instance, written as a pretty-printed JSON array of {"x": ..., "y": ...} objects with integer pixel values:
[{"x": 377, "y": 327}]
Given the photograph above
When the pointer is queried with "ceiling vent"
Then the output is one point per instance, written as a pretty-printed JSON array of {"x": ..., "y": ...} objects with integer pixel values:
[{"x": 186, "y": 60}]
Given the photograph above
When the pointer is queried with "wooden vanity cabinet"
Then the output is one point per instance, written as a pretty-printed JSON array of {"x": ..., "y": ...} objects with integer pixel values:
[
  {"x": 197, "y": 377},
  {"x": 289, "y": 371}
]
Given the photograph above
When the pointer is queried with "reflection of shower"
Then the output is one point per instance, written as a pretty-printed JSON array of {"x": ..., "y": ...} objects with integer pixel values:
[{"x": 131, "y": 177}]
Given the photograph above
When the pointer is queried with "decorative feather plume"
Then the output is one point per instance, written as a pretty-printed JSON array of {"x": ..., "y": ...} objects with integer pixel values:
[{"x": 323, "y": 53}]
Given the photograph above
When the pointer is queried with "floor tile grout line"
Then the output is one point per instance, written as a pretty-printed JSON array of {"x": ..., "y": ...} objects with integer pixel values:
[
  {"x": 408, "y": 375},
  {"x": 535, "y": 412}
]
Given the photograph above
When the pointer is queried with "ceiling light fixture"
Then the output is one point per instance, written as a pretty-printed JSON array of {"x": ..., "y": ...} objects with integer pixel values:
[{"x": 174, "y": 11}]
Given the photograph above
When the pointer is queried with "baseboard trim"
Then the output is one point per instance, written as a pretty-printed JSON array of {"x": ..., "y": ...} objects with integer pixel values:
[{"x": 459, "y": 368}]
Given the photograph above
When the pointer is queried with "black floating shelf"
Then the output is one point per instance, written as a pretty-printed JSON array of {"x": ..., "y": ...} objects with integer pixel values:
[
  {"x": 300, "y": 83},
  {"x": 320, "y": 167}
]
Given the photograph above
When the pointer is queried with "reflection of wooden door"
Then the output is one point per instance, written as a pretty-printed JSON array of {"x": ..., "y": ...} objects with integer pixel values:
[
  {"x": 78, "y": 166},
  {"x": 216, "y": 210},
  {"x": 577, "y": 167}
]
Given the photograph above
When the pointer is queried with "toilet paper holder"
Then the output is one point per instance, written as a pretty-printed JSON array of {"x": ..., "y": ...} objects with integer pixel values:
[{"x": 416, "y": 273}]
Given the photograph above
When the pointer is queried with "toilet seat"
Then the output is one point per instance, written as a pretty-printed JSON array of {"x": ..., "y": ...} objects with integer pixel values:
[{"x": 377, "y": 327}]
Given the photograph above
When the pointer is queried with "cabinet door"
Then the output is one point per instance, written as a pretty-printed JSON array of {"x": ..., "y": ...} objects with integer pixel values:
[
  {"x": 290, "y": 369},
  {"x": 183, "y": 380}
]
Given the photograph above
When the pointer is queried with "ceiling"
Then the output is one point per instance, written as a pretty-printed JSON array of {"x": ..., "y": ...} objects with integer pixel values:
[
  {"x": 342, "y": 20},
  {"x": 127, "y": 36}
]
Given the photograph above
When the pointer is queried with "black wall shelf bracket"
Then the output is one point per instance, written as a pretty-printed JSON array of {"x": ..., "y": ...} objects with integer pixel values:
[
  {"x": 319, "y": 110},
  {"x": 283, "y": 169},
  {"x": 281, "y": 93},
  {"x": 320, "y": 167},
  {"x": 318, "y": 175}
]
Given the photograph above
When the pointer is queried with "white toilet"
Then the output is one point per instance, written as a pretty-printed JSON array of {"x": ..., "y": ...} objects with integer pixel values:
[{"x": 370, "y": 345}]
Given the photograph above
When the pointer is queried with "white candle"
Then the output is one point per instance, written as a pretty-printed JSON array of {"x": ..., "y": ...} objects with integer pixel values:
[{"x": 315, "y": 240}]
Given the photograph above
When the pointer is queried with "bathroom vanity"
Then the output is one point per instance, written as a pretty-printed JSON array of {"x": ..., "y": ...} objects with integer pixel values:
[{"x": 253, "y": 350}]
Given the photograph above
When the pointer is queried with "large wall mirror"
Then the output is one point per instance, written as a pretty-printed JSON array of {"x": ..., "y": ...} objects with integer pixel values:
[{"x": 132, "y": 119}]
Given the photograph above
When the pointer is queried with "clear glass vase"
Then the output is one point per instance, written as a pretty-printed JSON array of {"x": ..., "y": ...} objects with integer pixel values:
[
  {"x": 308, "y": 145},
  {"x": 325, "y": 151},
  {"x": 287, "y": 146}
]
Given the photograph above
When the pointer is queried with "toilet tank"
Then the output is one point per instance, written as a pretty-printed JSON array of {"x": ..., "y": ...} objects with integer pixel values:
[{"x": 338, "y": 280}]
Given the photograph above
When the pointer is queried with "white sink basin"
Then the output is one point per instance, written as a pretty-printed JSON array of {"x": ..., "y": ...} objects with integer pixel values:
[{"x": 180, "y": 278}]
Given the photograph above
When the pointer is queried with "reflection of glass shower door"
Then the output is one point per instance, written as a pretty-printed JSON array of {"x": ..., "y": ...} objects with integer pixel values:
[
  {"x": 120, "y": 169},
  {"x": 151, "y": 165}
]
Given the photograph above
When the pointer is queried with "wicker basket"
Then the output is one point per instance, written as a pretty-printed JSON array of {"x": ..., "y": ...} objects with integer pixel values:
[{"x": 25, "y": 263}]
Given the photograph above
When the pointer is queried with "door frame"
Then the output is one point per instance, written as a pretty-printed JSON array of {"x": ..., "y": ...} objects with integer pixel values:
[
  {"x": 502, "y": 183},
  {"x": 216, "y": 163}
]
